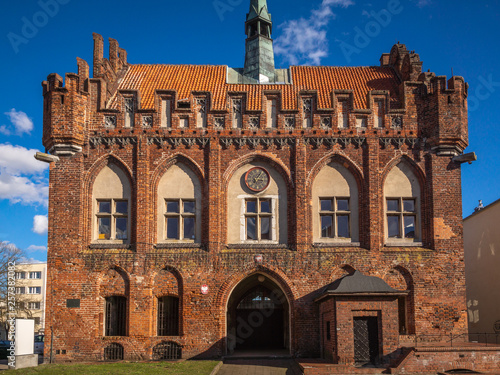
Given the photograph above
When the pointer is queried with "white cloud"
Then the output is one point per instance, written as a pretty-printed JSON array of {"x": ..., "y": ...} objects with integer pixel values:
[
  {"x": 19, "y": 160},
  {"x": 22, "y": 190},
  {"x": 4, "y": 130},
  {"x": 40, "y": 224},
  {"x": 303, "y": 41},
  {"x": 22, "y": 178},
  {"x": 34, "y": 248},
  {"x": 339, "y": 3},
  {"x": 21, "y": 122}
]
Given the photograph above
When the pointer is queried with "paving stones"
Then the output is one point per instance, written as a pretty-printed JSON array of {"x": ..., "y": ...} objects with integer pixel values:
[{"x": 260, "y": 367}]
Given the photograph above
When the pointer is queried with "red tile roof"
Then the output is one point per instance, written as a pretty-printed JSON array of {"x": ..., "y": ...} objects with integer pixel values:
[
  {"x": 185, "y": 79},
  {"x": 361, "y": 80}
]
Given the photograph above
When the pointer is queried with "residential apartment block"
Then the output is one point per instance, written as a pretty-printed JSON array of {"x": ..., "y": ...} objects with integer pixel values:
[{"x": 31, "y": 281}]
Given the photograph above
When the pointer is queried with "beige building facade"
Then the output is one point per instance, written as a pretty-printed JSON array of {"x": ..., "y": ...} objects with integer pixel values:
[
  {"x": 31, "y": 280},
  {"x": 482, "y": 265}
]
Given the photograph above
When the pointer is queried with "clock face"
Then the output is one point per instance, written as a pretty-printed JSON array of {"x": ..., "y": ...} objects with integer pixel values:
[{"x": 257, "y": 179}]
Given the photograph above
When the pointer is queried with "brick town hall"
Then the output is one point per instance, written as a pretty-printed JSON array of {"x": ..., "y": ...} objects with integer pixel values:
[{"x": 208, "y": 211}]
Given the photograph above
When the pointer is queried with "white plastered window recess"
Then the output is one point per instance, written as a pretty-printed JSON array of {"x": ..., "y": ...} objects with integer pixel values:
[
  {"x": 179, "y": 206},
  {"x": 335, "y": 207},
  {"x": 258, "y": 219},
  {"x": 111, "y": 207},
  {"x": 402, "y": 207}
]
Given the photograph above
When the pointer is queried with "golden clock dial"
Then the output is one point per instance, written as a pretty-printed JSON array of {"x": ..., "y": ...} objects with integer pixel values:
[{"x": 257, "y": 179}]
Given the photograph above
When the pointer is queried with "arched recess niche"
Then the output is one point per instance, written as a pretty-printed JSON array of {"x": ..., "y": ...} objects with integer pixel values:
[
  {"x": 237, "y": 195},
  {"x": 112, "y": 185},
  {"x": 334, "y": 181},
  {"x": 178, "y": 183},
  {"x": 402, "y": 184}
]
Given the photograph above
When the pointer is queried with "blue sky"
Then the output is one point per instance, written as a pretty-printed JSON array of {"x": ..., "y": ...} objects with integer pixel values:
[{"x": 41, "y": 37}]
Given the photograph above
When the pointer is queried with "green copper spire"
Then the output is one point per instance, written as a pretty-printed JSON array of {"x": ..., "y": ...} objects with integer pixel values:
[
  {"x": 259, "y": 57},
  {"x": 258, "y": 8}
]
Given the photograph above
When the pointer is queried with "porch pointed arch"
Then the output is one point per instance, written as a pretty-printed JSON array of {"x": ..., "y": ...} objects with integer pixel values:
[
  {"x": 238, "y": 291},
  {"x": 258, "y": 316}
]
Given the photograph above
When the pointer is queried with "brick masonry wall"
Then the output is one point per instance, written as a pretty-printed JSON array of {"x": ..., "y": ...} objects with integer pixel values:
[
  {"x": 78, "y": 269},
  {"x": 386, "y": 312},
  {"x": 481, "y": 360},
  {"x": 328, "y": 346}
]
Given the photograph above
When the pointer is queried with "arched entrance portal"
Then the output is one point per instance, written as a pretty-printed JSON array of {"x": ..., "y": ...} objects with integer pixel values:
[{"x": 258, "y": 316}]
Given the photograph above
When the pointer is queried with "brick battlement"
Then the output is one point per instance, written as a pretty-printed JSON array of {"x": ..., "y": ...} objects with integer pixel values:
[{"x": 412, "y": 103}]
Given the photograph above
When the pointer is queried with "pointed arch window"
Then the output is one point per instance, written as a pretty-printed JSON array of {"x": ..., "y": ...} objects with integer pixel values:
[
  {"x": 259, "y": 298},
  {"x": 402, "y": 206},
  {"x": 257, "y": 206},
  {"x": 179, "y": 206},
  {"x": 335, "y": 205},
  {"x": 111, "y": 206}
]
